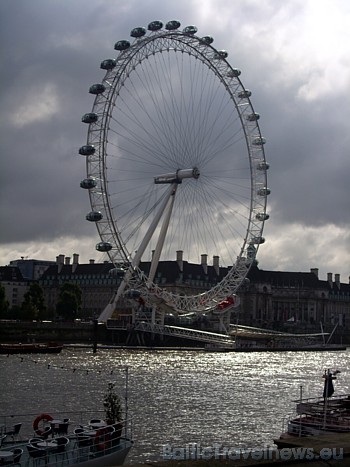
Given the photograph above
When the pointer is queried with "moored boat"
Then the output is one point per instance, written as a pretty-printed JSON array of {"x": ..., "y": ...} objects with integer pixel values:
[
  {"x": 319, "y": 416},
  {"x": 66, "y": 441},
  {"x": 50, "y": 347}
]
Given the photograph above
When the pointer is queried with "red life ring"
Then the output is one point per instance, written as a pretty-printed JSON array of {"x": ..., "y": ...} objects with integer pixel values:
[
  {"x": 43, "y": 416},
  {"x": 105, "y": 435}
]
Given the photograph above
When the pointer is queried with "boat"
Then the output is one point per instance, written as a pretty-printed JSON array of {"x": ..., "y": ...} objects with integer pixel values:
[
  {"x": 64, "y": 441},
  {"x": 50, "y": 347},
  {"x": 318, "y": 416}
]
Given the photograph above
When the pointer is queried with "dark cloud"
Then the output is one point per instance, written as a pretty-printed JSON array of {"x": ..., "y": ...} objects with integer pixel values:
[{"x": 51, "y": 53}]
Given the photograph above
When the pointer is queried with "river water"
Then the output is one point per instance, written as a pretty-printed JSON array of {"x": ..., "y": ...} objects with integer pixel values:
[{"x": 237, "y": 400}]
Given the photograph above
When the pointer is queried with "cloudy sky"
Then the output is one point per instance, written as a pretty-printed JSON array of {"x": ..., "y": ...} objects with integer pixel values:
[{"x": 294, "y": 56}]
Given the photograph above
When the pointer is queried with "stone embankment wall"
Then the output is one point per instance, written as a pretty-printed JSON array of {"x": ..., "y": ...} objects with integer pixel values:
[{"x": 67, "y": 332}]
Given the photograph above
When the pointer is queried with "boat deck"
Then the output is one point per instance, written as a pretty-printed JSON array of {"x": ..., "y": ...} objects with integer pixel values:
[
  {"x": 82, "y": 440},
  {"x": 74, "y": 454},
  {"x": 317, "y": 443}
]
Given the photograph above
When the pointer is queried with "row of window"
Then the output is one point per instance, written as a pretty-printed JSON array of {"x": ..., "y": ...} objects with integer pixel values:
[{"x": 83, "y": 282}]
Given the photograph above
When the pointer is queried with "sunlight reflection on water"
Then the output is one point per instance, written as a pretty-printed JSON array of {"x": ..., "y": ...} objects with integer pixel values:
[{"x": 176, "y": 397}]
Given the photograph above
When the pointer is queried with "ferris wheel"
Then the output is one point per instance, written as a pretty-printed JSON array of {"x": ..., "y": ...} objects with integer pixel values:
[{"x": 175, "y": 163}]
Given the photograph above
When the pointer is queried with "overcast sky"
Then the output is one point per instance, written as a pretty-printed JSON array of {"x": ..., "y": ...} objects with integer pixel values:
[{"x": 294, "y": 56}]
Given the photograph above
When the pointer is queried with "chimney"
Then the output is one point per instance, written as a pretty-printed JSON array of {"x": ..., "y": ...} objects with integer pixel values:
[
  {"x": 60, "y": 262},
  {"x": 329, "y": 278},
  {"x": 337, "y": 280},
  {"x": 67, "y": 260},
  {"x": 315, "y": 271},
  {"x": 204, "y": 263},
  {"x": 216, "y": 264},
  {"x": 75, "y": 261},
  {"x": 60, "y": 259},
  {"x": 179, "y": 259},
  {"x": 91, "y": 261}
]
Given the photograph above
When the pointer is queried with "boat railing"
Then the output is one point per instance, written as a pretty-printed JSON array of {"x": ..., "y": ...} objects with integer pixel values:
[
  {"x": 285, "y": 421},
  {"x": 324, "y": 420},
  {"x": 80, "y": 452},
  {"x": 76, "y": 419},
  {"x": 314, "y": 407},
  {"x": 318, "y": 399}
]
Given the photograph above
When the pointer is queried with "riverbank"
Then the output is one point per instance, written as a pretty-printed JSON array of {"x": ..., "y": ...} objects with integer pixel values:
[{"x": 92, "y": 334}]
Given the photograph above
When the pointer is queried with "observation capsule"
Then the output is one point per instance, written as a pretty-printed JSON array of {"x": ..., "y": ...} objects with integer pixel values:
[
  {"x": 94, "y": 216},
  {"x": 207, "y": 40},
  {"x": 190, "y": 30},
  {"x": 234, "y": 73},
  {"x": 133, "y": 293},
  {"x": 172, "y": 25},
  {"x": 108, "y": 64},
  {"x": 244, "y": 94},
  {"x": 251, "y": 251},
  {"x": 97, "y": 89},
  {"x": 103, "y": 247},
  {"x": 264, "y": 191},
  {"x": 155, "y": 26},
  {"x": 220, "y": 54},
  {"x": 263, "y": 166},
  {"x": 138, "y": 32},
  {"x": 262, "y": 216},
  {"x": 259, "y": 141},
  {"x": 253, "y": 117},
  {"x": 117, "y": 272},
  {"x": 88, "y": 183},
  {"x": 121, "y": 45},
  {"x": 257, "y": 240},
  {"x": 89, "y": 118},
  {"x": 87, "y": 150}
]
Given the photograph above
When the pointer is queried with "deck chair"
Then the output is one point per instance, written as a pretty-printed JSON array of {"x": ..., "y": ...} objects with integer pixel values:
[
  {"x": 14, "y": 432},
  {"x": 37, "y": 454}
]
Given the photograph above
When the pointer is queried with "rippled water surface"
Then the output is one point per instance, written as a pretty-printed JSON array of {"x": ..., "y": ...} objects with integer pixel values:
[{"x": 176, "y": 397}]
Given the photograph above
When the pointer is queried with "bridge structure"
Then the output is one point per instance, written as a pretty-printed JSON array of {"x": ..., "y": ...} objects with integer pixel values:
[
  {"x": 177, "y": 331},
  {"x": 221, "y": 340},
  {"x": 250, "y": 332}
]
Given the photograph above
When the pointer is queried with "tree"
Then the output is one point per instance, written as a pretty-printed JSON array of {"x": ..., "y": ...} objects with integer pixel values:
[
  {"x": 69, "y": 301},
  {"x": 33, "y": 306}
]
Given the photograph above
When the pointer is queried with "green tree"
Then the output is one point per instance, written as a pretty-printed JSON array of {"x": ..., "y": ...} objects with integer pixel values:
[
  {"x": 33, "y": 306},
  {"x": 69, "y": 301},
  {"x": 4, "y": 304}
]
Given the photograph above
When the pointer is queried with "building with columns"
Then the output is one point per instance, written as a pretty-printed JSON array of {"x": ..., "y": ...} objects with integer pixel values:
[{"x": 274, "y": 299}]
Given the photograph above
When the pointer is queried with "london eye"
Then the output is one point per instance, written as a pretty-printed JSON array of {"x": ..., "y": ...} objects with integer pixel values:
[{"x": 175, "y": 161}]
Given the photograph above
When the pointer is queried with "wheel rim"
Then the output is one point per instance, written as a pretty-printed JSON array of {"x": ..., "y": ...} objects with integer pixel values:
[{"x": 173, "y": 102}]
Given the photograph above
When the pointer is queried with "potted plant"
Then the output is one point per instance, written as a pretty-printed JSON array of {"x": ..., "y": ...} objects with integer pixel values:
[
  {"x": 112, "y": 405},
  {"x": 113, "y": 411}
]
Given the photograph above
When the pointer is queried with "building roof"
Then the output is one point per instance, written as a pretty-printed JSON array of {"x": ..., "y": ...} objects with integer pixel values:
[
  {"x": 95, "y": 269},
  {"x": 284, "y": 279},
  {"x": 10, "y": 274},
  {"x": 173, "y": 271}
]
